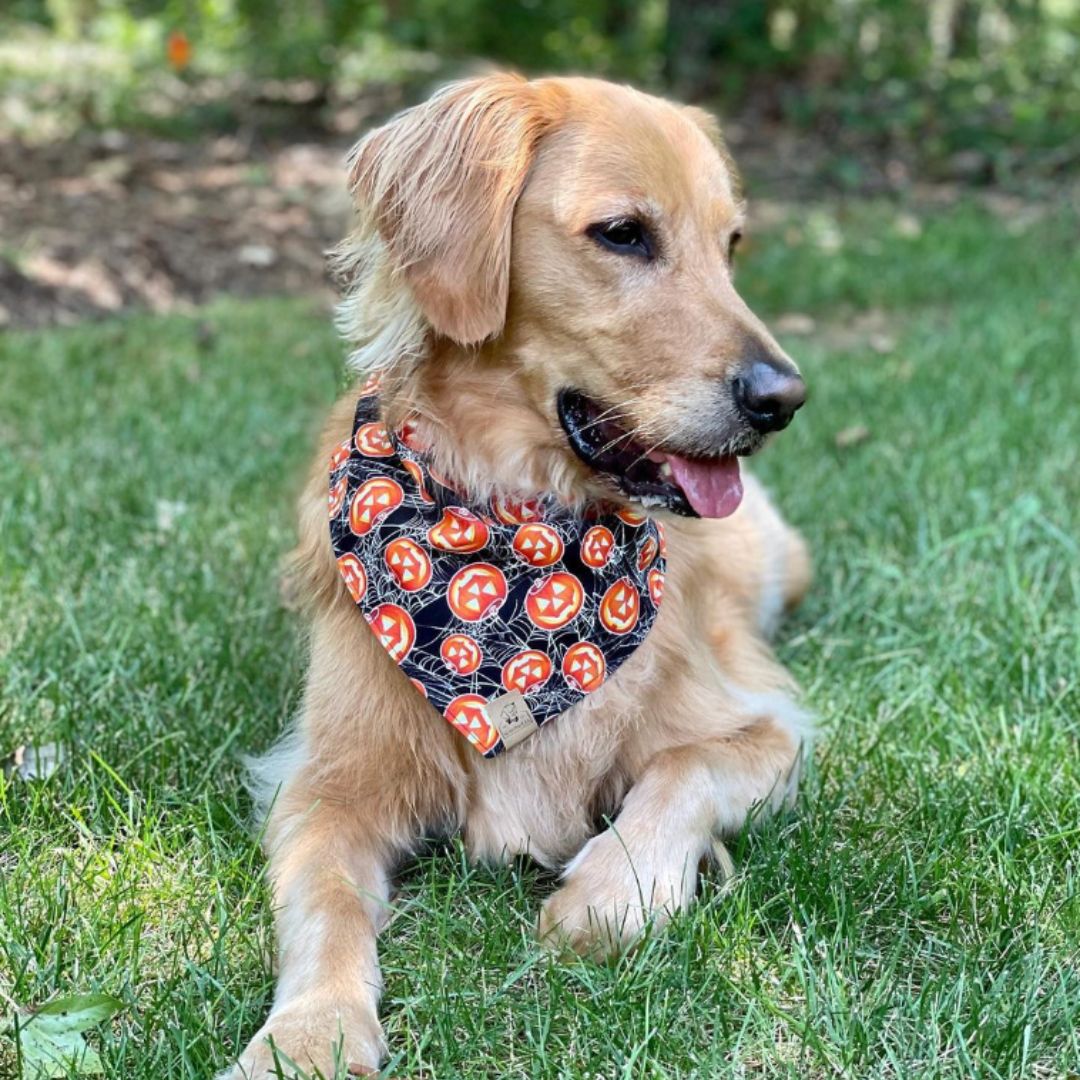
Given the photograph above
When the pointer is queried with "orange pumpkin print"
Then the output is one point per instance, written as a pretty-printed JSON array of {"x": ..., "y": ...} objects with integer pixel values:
[
  {"x": 516, "y": 511},
  {"x": 458, "y": 530},
  {"x": 395, "y": 630},
  {"x": 461, "y": 654},
  {"x": 584, "y": 666},
  {"x": 620, "y": 607},
  {"x": 596, "y": 547},
  {"x": 527, "y": 670},
  {"x": 373, "y": 440},
  {"x": 409, "y": 563},
  {"x": 656, "y": 586},
  {"x": 374, "y": 499},
  {"x": 337, "y": 496},
  {"x": 647, "y": 553},
  {"x": 476, "y": 591},
  {"x": 340, "y": 455},
  {"x": 554, "y": 600},
  {"x": 538, "y": 545},
  {"x": 466, "y": 713},
  {"x": 354, "y": 575},
  {"x": 417, "y": 474}
]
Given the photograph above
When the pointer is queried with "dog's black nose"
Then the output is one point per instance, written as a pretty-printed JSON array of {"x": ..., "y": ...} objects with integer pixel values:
[{"x": 769, "y": 397}]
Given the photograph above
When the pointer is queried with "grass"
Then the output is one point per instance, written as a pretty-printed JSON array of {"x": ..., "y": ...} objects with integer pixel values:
[{"x": 917, "y": 916}]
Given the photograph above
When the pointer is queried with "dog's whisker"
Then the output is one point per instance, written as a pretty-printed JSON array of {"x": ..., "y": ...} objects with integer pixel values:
[
  {"x": 627, "y": 436},
  {"x": 604, "y": 417},
  {"x": 646, "y": 453}
]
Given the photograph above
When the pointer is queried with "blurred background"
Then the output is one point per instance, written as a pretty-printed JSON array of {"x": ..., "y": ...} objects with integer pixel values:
[{"x": 155, "y": 154}]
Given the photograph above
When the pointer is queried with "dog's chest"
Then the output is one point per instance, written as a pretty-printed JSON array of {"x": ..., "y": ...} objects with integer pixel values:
[{"x": 545, "y": 797}]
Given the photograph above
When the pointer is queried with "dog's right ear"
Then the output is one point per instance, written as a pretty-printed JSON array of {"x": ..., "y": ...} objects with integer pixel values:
[{"x": 441, "y": 181}]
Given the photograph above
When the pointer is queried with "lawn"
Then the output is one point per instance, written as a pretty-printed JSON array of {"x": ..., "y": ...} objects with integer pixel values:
[{"x": 917, "y": 915}]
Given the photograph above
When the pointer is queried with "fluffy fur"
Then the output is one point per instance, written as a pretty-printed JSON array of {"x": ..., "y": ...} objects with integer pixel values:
[{"x": 472, "y": 288}]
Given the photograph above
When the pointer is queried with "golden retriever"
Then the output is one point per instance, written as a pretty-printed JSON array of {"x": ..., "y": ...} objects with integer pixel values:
[{"x": 540, "y": 277}]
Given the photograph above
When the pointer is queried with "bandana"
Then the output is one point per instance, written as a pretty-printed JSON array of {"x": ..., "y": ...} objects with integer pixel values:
[{"x": 503, "y": 615}]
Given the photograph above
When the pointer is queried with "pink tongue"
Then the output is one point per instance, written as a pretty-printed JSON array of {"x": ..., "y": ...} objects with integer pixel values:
[{"x": 713, "y": 489}]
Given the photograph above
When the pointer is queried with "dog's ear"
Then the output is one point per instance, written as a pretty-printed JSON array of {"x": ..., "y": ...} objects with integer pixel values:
[
  {"x": 441, "y": 181},
  {"x": 712, "y": 131}
]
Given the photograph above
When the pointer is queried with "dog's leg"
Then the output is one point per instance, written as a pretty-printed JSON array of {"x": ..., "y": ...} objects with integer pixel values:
[
  {"x": 349, "y": 807},
  {"x": 645, "y": 865},
  {"x": 330, "y": 889}
]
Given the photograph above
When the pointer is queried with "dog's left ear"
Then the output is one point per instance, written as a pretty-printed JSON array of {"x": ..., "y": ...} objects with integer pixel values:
[{"x": 441, "y": 181}]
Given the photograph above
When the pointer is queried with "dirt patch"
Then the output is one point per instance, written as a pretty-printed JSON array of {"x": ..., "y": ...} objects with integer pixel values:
[{"x": 110, "y": 221}]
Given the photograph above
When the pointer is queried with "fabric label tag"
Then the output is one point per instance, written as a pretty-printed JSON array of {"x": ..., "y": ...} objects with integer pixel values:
[{"x": 511, "y": 717}]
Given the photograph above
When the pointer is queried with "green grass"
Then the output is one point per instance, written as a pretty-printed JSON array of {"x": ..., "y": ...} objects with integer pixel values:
[{"x": 917, "y": 916}]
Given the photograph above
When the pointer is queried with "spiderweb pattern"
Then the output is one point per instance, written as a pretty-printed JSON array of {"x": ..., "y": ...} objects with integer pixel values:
[{"x": 475, "y": 601}]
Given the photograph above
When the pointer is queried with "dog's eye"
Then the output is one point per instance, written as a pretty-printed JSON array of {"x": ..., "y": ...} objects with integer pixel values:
[
  {"x": 733, "y": 243},
  {"x": 624, "y": 236}
]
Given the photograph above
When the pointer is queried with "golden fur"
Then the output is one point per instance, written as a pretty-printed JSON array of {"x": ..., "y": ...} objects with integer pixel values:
[{"x": 471, "y": 288}]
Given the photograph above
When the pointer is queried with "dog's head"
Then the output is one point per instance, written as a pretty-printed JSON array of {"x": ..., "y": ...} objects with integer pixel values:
[{"x": 574, "y": 239}]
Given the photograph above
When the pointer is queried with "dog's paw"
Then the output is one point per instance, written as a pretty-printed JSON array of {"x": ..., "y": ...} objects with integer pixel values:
[
  {"x": 609, "y": 896},
  {"x": 329, "y": 1043}
]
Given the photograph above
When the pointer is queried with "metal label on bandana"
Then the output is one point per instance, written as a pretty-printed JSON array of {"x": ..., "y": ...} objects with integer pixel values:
[{"x": 502, "y": 615}]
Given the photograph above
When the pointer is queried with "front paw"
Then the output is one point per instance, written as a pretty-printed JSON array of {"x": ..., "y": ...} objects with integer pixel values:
[
  {"x": 610, "y": 895},
  {"x": 328, "y": 1042}
]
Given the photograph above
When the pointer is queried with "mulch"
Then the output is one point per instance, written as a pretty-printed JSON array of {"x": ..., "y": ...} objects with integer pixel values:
[{"x": 110, "y": 221}]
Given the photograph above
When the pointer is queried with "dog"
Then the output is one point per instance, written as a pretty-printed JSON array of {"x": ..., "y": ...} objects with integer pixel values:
[{"x": 539, "y": 296}]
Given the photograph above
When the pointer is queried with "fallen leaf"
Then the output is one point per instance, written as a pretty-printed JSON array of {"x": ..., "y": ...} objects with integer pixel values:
[
  {"x": 35, "y": 762},
  {"x": 50, "y": 1038},
  {"x": 795, "y": 322},
  {"x": 908, "y": 226},
  {"x": 257, "y": 255},
  {"x": 851, "y": 436},
  {"x": 167, "y": 511}
]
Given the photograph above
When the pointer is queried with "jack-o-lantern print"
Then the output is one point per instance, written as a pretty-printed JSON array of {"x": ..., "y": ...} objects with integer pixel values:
[
  {"x": 374, "y": 499},
  {"x": 354, "y": 575},
  {"x": 408, "y": 562},
  {"x": 337, "y": 496},
  {"x": 554, "y": 600},
  {"x": 466, "y": 713},
  {"x": 584, "y": 666},
  {"x": 656, "y": 586},
  {"x": 461, "y": 654},
  {"x": 458, "y": 530},
  {"x": 527, "y": 670},
  {"x": 620, "y": 607},
  {"x": 417, "y": 473},
  {"x": 516, "y": 511},
  {"x": 538, "y": 545},
  {"x": 373, "y": 440},
  {"x": 476, "y": 591},
  {"x": 340, "y": 456},
  {"x": 394, "y": 628},
  {"x": 596, "y": 546}
]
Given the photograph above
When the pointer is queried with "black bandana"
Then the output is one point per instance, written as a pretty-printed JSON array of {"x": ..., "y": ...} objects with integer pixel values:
[{"x": 501, "y": 615}]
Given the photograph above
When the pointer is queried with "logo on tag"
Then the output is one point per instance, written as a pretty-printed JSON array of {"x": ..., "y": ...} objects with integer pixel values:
[{"x": 511, "y": 717}]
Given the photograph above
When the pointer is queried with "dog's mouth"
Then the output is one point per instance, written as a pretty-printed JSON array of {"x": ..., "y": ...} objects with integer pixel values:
[{"x": 693, "y": 486}]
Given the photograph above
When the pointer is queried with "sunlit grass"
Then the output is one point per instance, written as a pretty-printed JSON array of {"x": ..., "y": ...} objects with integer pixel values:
[{"x": 916, "y": 916}]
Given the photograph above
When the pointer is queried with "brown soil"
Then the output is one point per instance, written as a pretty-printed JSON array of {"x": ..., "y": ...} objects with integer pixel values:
[{"x": 109, "y": 221}]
